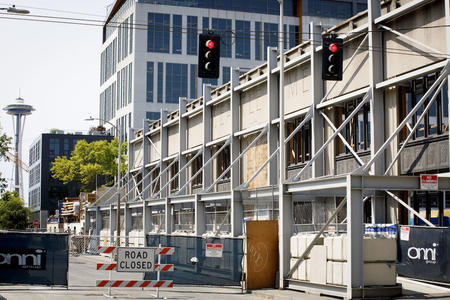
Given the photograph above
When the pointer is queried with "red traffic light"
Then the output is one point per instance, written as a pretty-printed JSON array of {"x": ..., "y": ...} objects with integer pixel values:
[
  {"x": 210, "y": 44},
  {"x": 333, "y": 48}
]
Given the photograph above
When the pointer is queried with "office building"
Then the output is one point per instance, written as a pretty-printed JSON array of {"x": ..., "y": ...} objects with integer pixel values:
[
  {"x": 149, "y": 51},
  {"x": 45, "y": 192}
]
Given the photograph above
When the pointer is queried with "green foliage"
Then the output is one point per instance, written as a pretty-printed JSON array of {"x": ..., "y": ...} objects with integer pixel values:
[
  {"x": 55, "y": 131},
  {"x": 13, "y": 214},
  {"x": 4, "y": 147},
  {"x": 89, "y": 160}
]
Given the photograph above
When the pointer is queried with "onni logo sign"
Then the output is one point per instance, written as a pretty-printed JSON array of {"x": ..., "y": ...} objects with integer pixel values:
[{"x": 428, "y": 255}]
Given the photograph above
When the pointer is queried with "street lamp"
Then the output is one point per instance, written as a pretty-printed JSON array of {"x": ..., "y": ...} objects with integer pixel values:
[
  {"x": 118, "y": 174},
  {"x": 14, "y": 10}
]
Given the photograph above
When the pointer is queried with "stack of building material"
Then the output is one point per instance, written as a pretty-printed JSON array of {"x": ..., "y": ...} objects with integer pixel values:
[
  {"x": 327, "y": 261},
  {"x": 86, "y": 199}
]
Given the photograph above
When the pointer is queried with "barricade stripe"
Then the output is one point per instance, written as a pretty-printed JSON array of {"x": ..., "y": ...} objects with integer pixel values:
[
  {"x": 145, "y": 283},
  {"x": 107, "y": 249},
  {"x": 102, "y": 283},
  {"x": 164, "y": 267},
  {"x": 107, "y": 267},
  {"x": 134, "y": 283},
  {"x": 165, "y": 251},
  {"x": 116, "y": 283},
  {"x": 131, "y": 283}
]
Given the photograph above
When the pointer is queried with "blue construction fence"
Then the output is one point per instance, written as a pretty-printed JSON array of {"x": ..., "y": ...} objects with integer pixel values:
[
  {"x": 34, "y": 258},
  {"x": 424, "y": 253},
  {"x": 222, "y": 271}
]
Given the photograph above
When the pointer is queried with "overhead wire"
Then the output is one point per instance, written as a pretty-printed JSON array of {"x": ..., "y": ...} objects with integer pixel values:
[{"x": 237, "y": 35}]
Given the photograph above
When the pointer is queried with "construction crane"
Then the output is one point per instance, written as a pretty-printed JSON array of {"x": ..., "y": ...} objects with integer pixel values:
[{"x": 11, "y": 157}]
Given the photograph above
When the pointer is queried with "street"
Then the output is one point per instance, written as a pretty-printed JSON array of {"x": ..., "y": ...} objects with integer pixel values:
[{"x": 83, "y": 274}]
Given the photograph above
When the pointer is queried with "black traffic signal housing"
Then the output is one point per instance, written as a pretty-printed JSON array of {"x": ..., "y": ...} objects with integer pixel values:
[
  {"x": 208, "y": 55},
  {"x": 332, "y": 58}
]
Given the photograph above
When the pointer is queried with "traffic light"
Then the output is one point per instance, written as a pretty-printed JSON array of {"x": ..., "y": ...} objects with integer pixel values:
[
  {"x": 208, "y": 55},
  {"x": 332, "y": 57}
]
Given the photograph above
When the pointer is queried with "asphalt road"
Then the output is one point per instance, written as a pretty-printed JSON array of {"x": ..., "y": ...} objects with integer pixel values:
[{"x": 83, "y": 275}]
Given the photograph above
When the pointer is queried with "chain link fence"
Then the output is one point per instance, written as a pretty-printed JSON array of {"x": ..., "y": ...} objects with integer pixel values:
[{"x": 88, "y": 244}]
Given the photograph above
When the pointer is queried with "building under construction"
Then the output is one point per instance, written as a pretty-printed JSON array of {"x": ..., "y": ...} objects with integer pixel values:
[{"x": 354, "y": 149}]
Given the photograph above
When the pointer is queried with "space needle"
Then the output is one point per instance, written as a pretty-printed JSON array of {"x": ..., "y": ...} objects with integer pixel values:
[{"x": 18, "y": 110}]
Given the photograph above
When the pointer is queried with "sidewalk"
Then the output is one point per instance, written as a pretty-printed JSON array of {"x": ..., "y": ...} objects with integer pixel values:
[{"x": 82, "y": 277}]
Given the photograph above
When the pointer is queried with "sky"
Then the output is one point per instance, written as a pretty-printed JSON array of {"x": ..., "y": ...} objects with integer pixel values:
[{"x": 54, "y": 66}]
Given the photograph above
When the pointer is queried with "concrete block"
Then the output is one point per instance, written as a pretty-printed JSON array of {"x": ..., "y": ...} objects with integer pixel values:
[
  {"x": 292, "y": 263},
  {"x": 338, "y": 272},
  {"x": 294, "y": 246},
  {"x": 319, "y": 264},
  {"x": 308, "y": 269},
  {"x": 345, "y": 274},
  {"x": 344, "y": 247},
  {"x": 377, "y": 249},
  {"x": 379, "y": 274},
  {"x": 302, "y": 270},
  {"x": 337, "y": 248},
  {"x": 310, "y": 238},
  {"x": 328, "y": 242},
  {"x": 301, "y": 243},
  {"x": 330, "y": 271}
]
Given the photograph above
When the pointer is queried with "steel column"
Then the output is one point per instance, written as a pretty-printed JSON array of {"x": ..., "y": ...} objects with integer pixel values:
[
  {"x": 237, "y": 209},
  {"x": 355, "y": 231},
  {"x": 272, "y": 113},
  {"x": 206, "y": 173}
]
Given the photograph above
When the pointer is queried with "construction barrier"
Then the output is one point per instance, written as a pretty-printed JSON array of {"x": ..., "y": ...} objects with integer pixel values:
[
  {"x": 157, "y": 267},
  {"x": 200, "y": 260},
  {"x": 34, "y": 258},
  {"x": 423, "y": 253}
]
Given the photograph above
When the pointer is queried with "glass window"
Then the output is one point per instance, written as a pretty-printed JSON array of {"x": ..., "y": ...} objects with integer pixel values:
[
  {"x": 242, "y": 39},
  {"x": 211, "y": 81},
  {"x": 174, "y": 172},
  {"x": 152, "y": 115},
  {"x": 225, "y": 74},
  {"x": 160, "y": 81},
  {"x": 357, "y": 131},
  {"x": 131, "y": 33},
  {"x": 205, "y": 24},
  {"x": 258, "y": 49},
  {"x": 294, "y": 38},
  {"x": 176, "y": 34},
  {"x": 223, "y": 162},
  {"x": 53, "y": 147},
  {"x": 130, "y": 81},
  {"x": 192, "y": 35},
  {"x": 254, "y": 6},
  {"x": 176, "y": 82},
  {"x": 223, "y": 28},
  {"x": 435, "y": 121},
  {"x": 150, "y": 79},
  {"x": 196, "y": 166},
  {"x": 158, "y": 32},
  {"x": 270, "y": 36},
  {"x": 193, "y": 87},
  {"x": 299, "y": 147}
]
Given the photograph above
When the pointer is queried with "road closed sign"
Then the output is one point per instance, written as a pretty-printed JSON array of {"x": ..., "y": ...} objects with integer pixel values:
[{"x": 131, "y": 259}]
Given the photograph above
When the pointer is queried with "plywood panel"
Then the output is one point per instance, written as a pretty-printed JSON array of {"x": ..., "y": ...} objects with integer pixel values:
[
  {"x": 254, "y": 106},
  {"x": 262, "y": 254},
  {"x": 253, "y": 160},
  {"x": 221, "y": 120},
  {"x": 297, "y": 93},
  {"x": 402, "y": 55},
  {"x": 195, "y": 131},
  {"x": 174, "y": 140}
]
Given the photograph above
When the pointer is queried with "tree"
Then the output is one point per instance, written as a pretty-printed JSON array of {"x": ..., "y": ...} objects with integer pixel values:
[
  {"x": 13, "y": 214},
  {"x": 4, "y": 147},
  {"x": 89, "y": 160}
]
